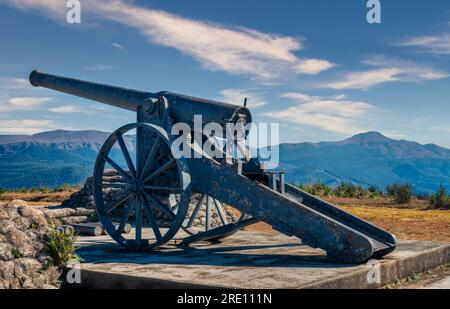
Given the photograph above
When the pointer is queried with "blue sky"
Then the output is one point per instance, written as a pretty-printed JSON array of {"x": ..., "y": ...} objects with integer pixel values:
[{"x": 316, "y": 67}]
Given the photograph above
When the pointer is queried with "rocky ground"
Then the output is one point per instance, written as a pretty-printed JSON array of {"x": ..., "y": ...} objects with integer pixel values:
[{"x": 23, "y": 261}]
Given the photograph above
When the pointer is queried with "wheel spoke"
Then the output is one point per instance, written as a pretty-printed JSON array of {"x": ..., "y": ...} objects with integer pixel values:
[
  {"x": 159, "y": 204},
  {"x": 221, "y": 212},
  {"x": 150, "y": 158},
  {"x": 126, "y": 154},
  {"x": 208, "y": 213},
  {"x": 124, "y": 219},
  {"x": 118, "y": 169},
  {"x": 151, "y": 218},
  {"x": 138, "y": 223},
  {"x": 162, "y": 188},
  {"x": 162, "y": 155},
  {"x": 196, "y": 210},
  {"x": 160, "y": 170},
  {"x": 119, "y": 203}
]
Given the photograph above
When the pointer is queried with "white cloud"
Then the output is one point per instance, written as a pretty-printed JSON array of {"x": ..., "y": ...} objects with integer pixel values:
[
  {"x": 365, "y": 79},
  {"x": 9, "y": 83},
  {"x": 65, "y": 109},
  {"x": 118, "y": 46},
  {"x": 237, "y": 97},
  {"x": 437, "y": 44},
  {"x": 235, "y": 50},
  {"x": 387, "y": 70},
  {"x": 25, "y": 126},
  {"x": 55, "y": 8},
  {"x": 313, "y": 66},
  {"x": 335, "y": 115},
  {"x": 23, "y": 104},
  {"x": 99, "y": 67}
]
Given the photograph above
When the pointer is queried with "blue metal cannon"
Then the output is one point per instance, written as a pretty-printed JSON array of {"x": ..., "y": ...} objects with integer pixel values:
[{"x": 154, "y": 181}]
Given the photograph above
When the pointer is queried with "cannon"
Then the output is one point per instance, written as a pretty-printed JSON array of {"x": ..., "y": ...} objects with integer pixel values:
[{"x": 155, "y": 183}]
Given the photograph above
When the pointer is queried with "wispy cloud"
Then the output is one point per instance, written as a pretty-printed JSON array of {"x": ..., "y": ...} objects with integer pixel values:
[
  {"x": 118, "y": 46},
  {"x": 65, "y": 109},
  {"x": 23, "y": 104},
  {"x": 25, "y": 126},
  {"x": 385, "y": 71},
  {"x": 237, "y": 97},
  {"x": 334, "y": 115},
  {"x": 99, "y": 67},
  {"x": 236, "y": 50},
  {"x": 53, "y": 8},
  {"x": 10, "y": 83},
  {"x": 436, "y": 44}
]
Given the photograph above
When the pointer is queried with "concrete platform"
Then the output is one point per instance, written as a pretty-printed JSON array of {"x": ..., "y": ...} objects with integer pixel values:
[{"x": 250, "y": 260}]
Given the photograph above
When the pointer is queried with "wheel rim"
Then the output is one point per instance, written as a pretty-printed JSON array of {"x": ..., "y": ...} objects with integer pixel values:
[{"x": 144, "y": 187}]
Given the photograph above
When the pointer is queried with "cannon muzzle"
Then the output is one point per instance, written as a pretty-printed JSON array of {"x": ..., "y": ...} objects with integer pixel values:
[
  {"x": 182, "y": 108},
  {"x": 116, "y": 96}
]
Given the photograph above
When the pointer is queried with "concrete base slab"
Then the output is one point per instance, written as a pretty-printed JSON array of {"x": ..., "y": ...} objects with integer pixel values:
[{"x": 250, "y": 260}]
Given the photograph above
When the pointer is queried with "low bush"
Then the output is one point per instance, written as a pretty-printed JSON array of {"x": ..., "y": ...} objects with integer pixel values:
[
  {"x": 440, "y": 199},
  {"x": 401, "y": 193}
]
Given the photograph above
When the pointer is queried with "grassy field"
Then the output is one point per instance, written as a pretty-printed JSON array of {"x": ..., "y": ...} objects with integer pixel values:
[{"x": 414, "y": 221}]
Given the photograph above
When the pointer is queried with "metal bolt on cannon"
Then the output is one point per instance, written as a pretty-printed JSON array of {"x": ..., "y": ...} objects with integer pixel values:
[{"x": 156, "y": 184}]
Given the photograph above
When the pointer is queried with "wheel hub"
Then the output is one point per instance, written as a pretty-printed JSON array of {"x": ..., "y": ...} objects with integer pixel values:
[{"x": 137, "y": 186}]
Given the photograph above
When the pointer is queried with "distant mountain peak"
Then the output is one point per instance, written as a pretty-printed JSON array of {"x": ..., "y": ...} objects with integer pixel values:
[{"x": 371, "y": 136}]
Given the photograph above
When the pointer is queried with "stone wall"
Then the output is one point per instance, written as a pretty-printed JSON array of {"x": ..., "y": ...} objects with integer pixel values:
[{"x": 23, "y": 261}]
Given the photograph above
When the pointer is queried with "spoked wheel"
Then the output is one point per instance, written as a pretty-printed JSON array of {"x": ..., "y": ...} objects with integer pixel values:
[
  {"x": 151, "y": 192},
  {"x": 208, "y": 219},
  {"x": 206, "y": 213}
]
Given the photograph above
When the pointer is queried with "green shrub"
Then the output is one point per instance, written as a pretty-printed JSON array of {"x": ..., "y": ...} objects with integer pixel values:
[
  {"x": 60, "y": 245},
  {"x": 401, "y": 193},
  {"x": 349, "y": 190},
  {"x": 317, "y": 188},
  {"x": 440, "y": 199},
  {"x": 16, "y": 253}
]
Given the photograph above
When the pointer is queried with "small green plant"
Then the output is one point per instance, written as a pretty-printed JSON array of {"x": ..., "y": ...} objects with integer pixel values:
[
  {"x": 401, "y": 193},
  {"x": 16, "y": 253},
  {"x": 440, "y": 199},
  {"x": 60, "y": 245}
]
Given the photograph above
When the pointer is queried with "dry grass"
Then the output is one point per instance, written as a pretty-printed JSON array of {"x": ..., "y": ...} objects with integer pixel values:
[
  {"x": 39, "y": 198},
  {"x": 412, "y": 222}
]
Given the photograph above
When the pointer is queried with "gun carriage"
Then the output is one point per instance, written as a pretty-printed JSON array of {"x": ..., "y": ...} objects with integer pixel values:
[{"x": 157, "y": 183}]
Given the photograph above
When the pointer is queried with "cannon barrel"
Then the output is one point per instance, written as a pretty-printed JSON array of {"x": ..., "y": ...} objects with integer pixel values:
[{"x": 182, "y": 108}]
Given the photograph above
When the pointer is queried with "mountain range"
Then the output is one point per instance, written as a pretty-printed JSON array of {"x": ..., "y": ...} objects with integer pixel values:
[{"x": 67, "y": 157}]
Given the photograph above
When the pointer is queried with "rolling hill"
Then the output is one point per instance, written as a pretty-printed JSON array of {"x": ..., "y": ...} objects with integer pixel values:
[
  {"x": 368, "y": 159},
  {"x": 58, "y": 157}
]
